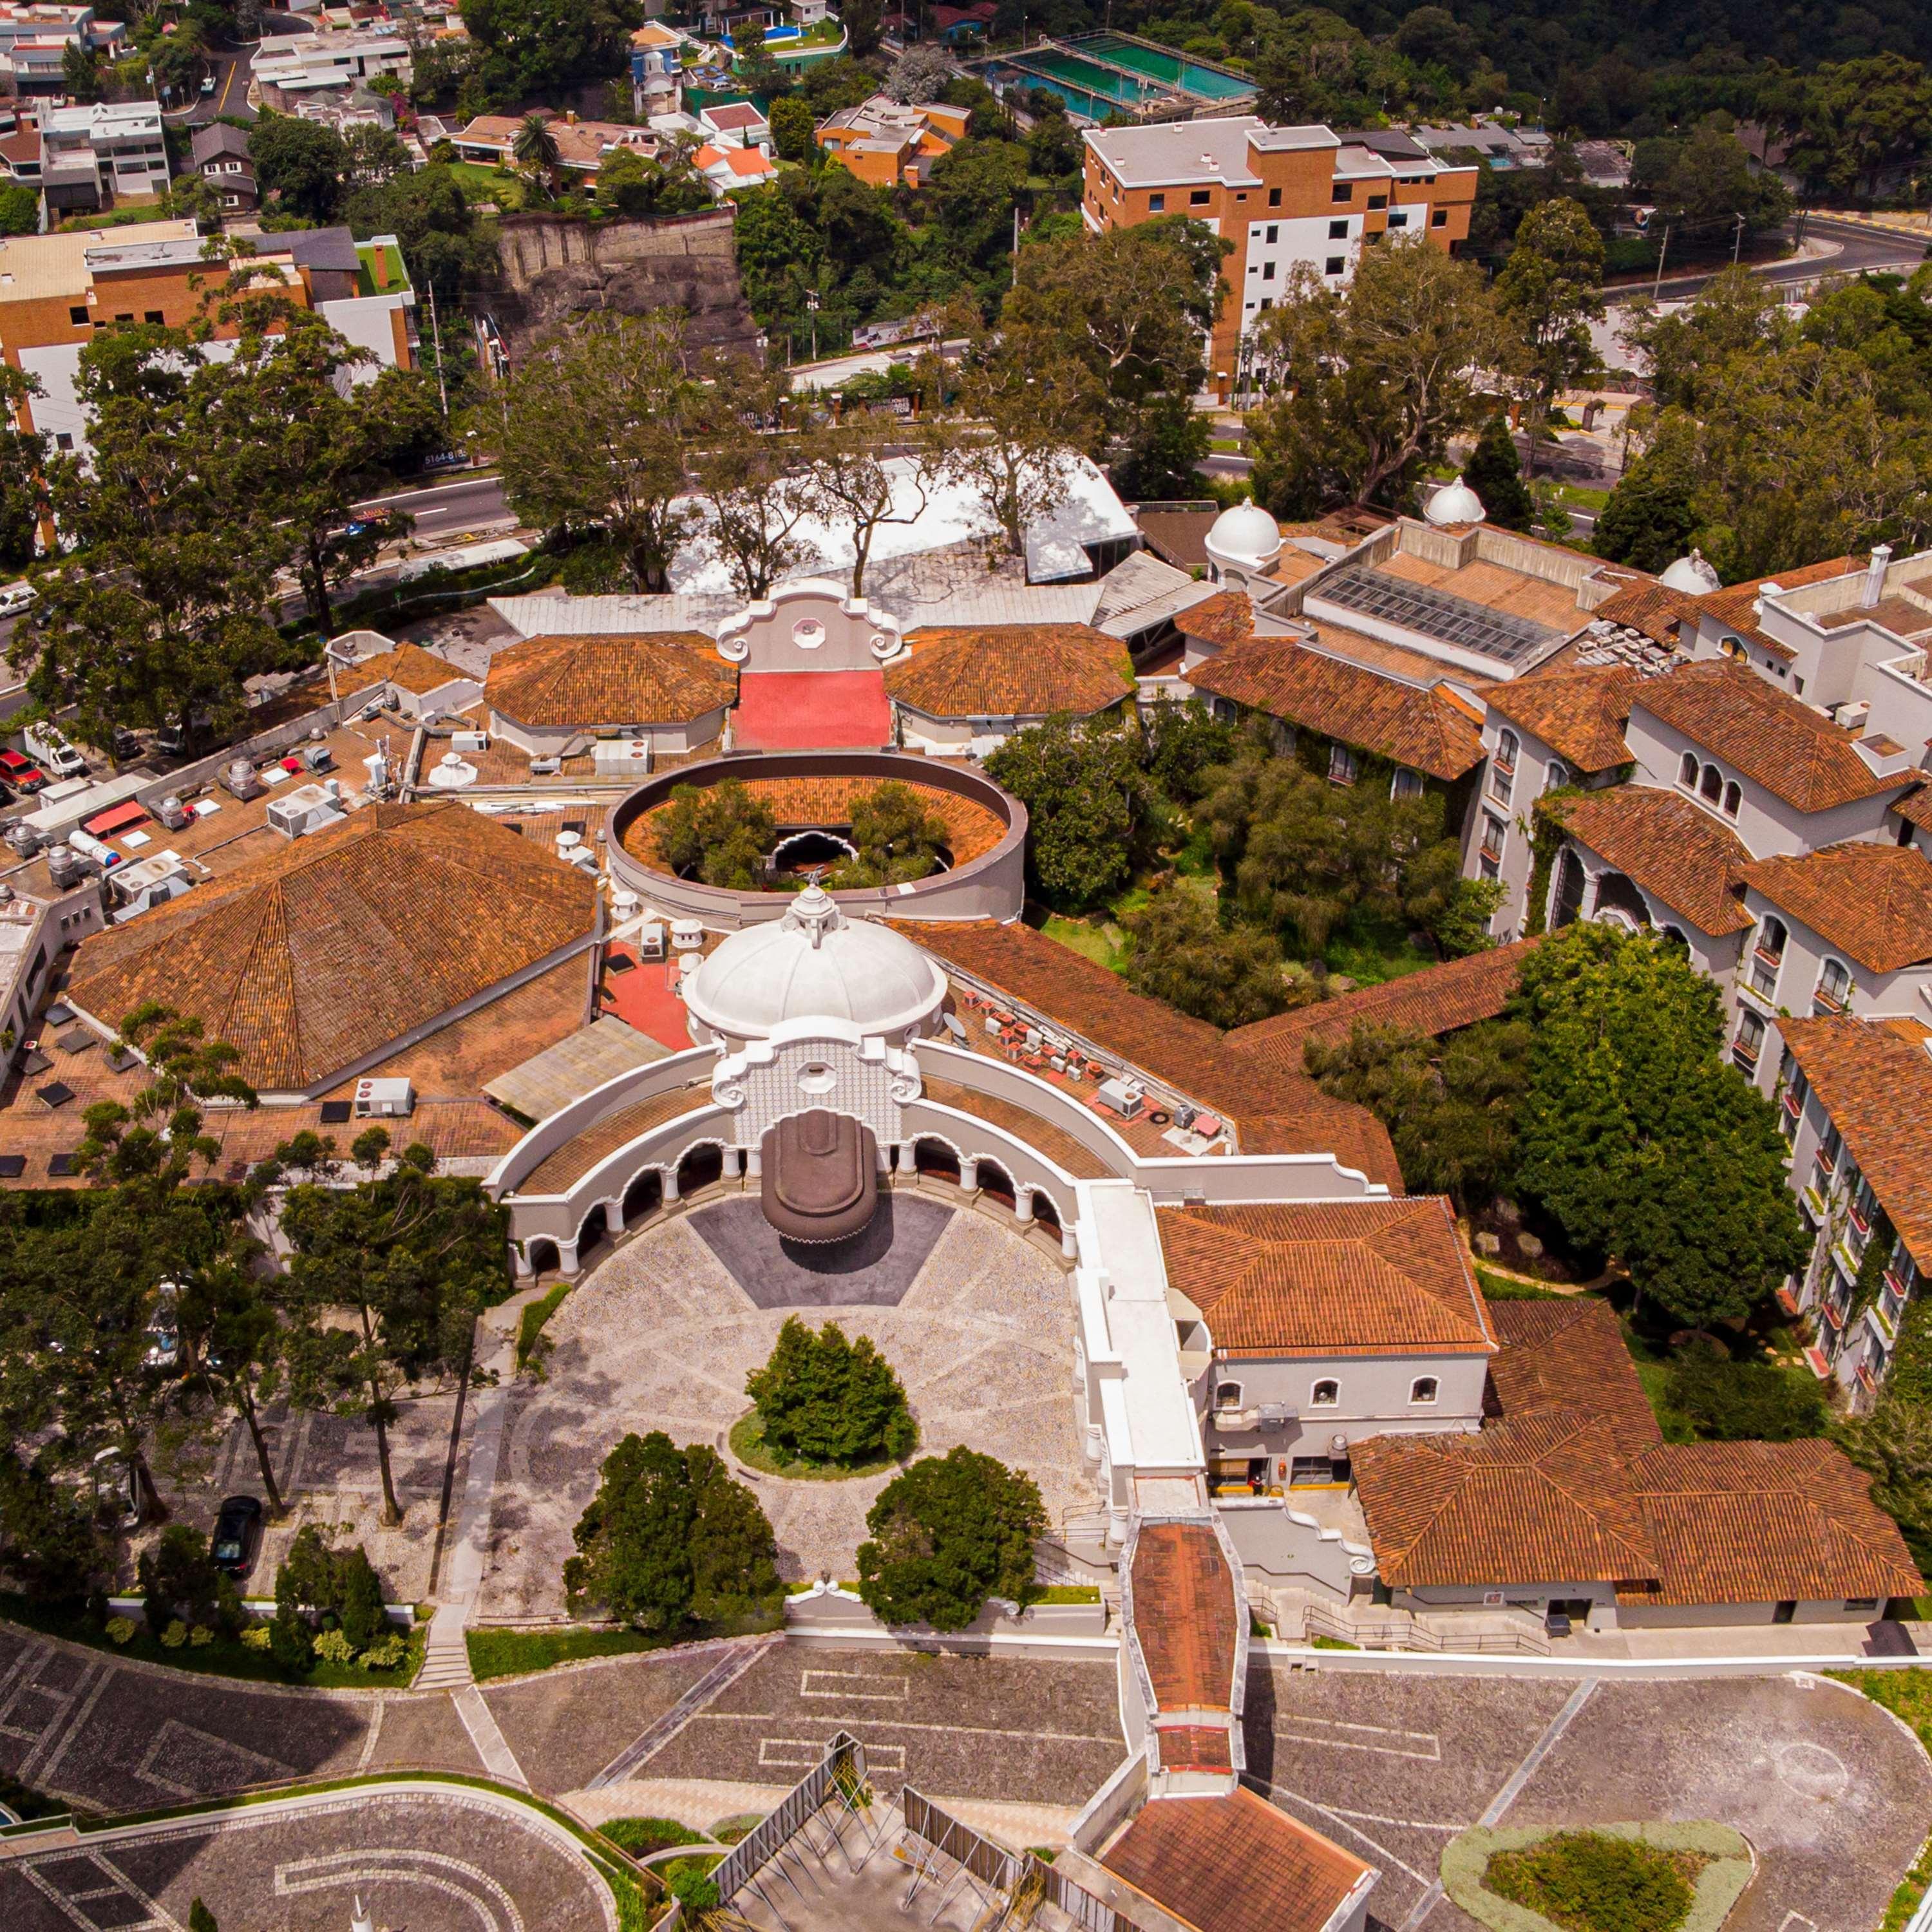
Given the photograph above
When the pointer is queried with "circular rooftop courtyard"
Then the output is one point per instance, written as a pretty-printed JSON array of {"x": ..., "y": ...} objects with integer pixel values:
[{"x": 811, "y": 795}]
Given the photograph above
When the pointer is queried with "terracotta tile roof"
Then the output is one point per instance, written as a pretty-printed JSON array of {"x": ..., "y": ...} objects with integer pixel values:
[
  {"x": 1184, "y": 1615},
  {"x": 1735, "y": 606},
  {"x": 1011, "y": 670},
  {"x": 1542, "y": 1500},
  {"x": 1915, "y": 807},
  {"x": 1569, "y": 1354},
  {"x": 1659, "y": 612},
  {"x": 653, "y": 677},
  {"x": 1669, "y": 846},
  {"x": 312, "y": 956},
  {"x": 1421, "y": 729},
  {"x": 1234, "y": 1864},
  {"x": 972, "y": 830},
  {"x": 1872, "y": 901},
  {"x": 1436, "y": 1000},
  {"x": 1226, "y": 618},
  {"x": 1579, "y": 714},
  {"x": 416, "y": 670},
  {"x": 1321, "y": 1278},
  {"x": 559, "y": 1171},
  {"x": 1877, "y": 1087},
  {"x": 1759, "y": 1522},
  {"x": 1042, "y": 1136},
  {"x": 1275, "y": 1111},
  {"x": 1774, "y": 740},
  {"x": 1195, "y": 1748}
]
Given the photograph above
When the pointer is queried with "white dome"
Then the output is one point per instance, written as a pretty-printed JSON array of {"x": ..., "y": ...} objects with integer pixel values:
[
  {"x": 1454, "y": 503},
  {"x": 1245, "y": 533},
  {"x": 1692, "y": 575},
  {"x": 815, "y": 963}
]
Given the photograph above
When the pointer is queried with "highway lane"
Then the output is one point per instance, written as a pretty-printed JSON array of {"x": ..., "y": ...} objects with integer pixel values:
[
  {"x": 1861, "y": 249},
  {"x": 448, "y": 509}
]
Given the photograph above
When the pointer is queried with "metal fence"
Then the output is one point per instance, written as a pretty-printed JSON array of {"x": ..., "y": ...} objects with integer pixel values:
[
  {"x": 838, "y": 1777},
  {"x": 1004, "y": 1879}
]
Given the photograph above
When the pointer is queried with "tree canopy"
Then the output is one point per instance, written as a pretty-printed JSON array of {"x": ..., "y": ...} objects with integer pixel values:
[{"x": 823, "y": 1398}]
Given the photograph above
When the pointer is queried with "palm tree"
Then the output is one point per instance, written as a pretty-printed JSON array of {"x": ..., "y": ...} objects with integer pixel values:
[{"x": 536, "y": 146}]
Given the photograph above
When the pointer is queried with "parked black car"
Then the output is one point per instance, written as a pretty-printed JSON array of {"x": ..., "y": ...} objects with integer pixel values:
[{"x": 238, "y": 1533}]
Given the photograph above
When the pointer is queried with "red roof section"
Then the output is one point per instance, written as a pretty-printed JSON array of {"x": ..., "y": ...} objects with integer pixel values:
[{"x": 1184, "y": 1615}]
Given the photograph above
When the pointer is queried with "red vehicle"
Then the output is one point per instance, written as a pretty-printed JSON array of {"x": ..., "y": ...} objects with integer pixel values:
[{"x": 21, "y": 772}]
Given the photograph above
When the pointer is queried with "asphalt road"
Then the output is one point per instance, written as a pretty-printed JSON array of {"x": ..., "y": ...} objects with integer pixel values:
[
  {"x": 448, "y": 509},
  {"x": 1862, "y": 248}
]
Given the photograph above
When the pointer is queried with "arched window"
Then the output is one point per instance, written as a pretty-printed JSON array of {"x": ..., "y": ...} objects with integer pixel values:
[
  {"x": 1502, "y": 767},
  {"x": 1770, "y": 937},
  {"x": 1325, "y": 1394},
  {"x": 1834, "y": 988},
  {"x": 1423, "y": 1389},
  {"x": 1767, "y": 956},
  {"x": 1734, "y": 796},
  {"x": 1687, "y": 771},
  {"x": 1227, "y": 1395},
  {"x": 1712, "y": 784},
  {"x": 1749, "y": 1041},
  {"x": 1556, "y": 775}
]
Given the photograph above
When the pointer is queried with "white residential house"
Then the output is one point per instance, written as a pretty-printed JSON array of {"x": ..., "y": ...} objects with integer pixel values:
[
  {"x": 89, "y": 155},
  {"x": 289, "y": 69}
]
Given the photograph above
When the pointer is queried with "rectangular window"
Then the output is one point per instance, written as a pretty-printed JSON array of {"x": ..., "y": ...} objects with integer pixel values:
[
  {"x": 62, "y": 440},
  {"x": 1495, "y": 832},
  {"x": 1440, "y": 219},
  {"x": 1338, "y": 231},
  {"x": 1343, "y": 191},
  {"x": 1379, "y": 201},
  {"x": 1407, "y": 783},
  {"x": 1200, "y": 197},
  {"x": 154, "y": 315},
  {"x": 1399, "y": 219},
  {"x": 1274, "y": 197},
  {"x": 1273, "y": 233},
  {"x": 1155, "y": 203},
  {"x": 1335, "y": 265},
  {"x": 77, "y": 315},
  {"x": 1267, "y": 273},
  {"x": 1341, "y": 765}
]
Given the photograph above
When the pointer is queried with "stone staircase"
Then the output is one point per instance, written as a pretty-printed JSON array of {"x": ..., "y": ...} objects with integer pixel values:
[{"x": 445, "y": 1665}]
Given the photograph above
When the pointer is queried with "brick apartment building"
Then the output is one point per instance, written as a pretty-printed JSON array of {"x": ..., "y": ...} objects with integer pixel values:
[{"x": 1281, "y": 195}]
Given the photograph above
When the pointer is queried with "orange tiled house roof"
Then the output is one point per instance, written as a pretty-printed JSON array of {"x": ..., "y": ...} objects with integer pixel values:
[
  {"x": 1422, "y": 729},
  {"x": 308, "y": 959},
  {"x": 652, "y": 677},
  {"x": 1011, "y": 670},
  {"x": 1669, "y": 846},
  {"x": 1184, "y": 1615},
  {"x": 1316, "y": 1278},
  {"x": 1569, "y": 1354},
  {"x": 416, "y": 670},
  {"x": 1579, "y": 714},
  {"x": 1872, "y": 902},
  {"x": 1226, "y": 618},
  {"x": 1735, "y": 606},
  {"x": 1436, "y": 1000}
]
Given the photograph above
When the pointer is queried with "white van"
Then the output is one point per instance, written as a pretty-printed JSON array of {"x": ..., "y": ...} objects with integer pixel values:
[
  {"x": 17, "y": 597},
  {"x": 49, "y": 744}
]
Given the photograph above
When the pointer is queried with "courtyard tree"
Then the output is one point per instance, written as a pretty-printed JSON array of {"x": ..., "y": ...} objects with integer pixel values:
[
  {"x": 823, "y": 1398},
  {"x": 384, "y": 1282},
  {"x": 232, "y": 1331},
  {"x": 50, "y": 1538},
  {"x": 177, "y": 1579},
  {"x": 1637, "y": 1138},
  {"x": 534, "y": 147},
  {"x": 1088, "y": 802},
  {"x": 721, "y": 834},
  {"x": 948, "y": 1534},
  {"x": 157, "y": 1135},
  {"x": 1550, "y": 292},
  {"x": 595, "y": 437},
  {"x": 668, "y": 1536},
  {"x": 1383, "y": 373},
  {"x": 23, "y": 457},
  {"x": 899, "y": 837},
  {"x": 1182, "y": 953},
  {"x": 750, "y": 480},
  {"x": 1651, "y": 520}
]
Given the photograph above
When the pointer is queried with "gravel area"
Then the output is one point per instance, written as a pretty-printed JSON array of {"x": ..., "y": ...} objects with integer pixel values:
[{"x": 660, "y": 1336}]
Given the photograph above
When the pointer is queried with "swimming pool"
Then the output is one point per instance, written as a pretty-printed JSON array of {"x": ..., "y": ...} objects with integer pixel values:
[
  {"x": 1160, "y": 63},
  {"x": 1078, "y": 100}
]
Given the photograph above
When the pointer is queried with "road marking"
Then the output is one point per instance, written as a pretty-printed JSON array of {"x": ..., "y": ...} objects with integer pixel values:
[
  {"x": 719, "y": 1678},
  {"x": 366, "y": 1870},
  {"x": 1341, "y": 1821},
  {"x": 1493, "y": 1812},
  {"x": 805, "y": 1754},
  {"x": 492, "y": 1747},
  {"x": 374, "y": 1732},
  {"x": 1323, "y": 1731},
  {"x": 902, "y": 1695},
  {"x": 1406, "y": 1824},
  {"x": 118, "y": 1885},
  {"x": 65, "y": 1733},
  {"x": 168, "y": 1741},
  {"x": 901, "y": 1724}
]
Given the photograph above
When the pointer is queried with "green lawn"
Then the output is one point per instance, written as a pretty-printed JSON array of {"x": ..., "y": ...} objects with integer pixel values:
[
  {"x": 748, "y": 1444},
  {"x": 1088, "y": 940},
  {"x": 529, "y": 1330},
  {"x": 510, "y": 1653},
  {"x": 1500, "y": 1287},
  {"x": 480, "y": 183},
  {"x": 1907, "y": 1694}
]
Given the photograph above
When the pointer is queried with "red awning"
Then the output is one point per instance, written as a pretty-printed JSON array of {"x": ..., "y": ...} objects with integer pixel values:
[{"x": 115, "y": 818}]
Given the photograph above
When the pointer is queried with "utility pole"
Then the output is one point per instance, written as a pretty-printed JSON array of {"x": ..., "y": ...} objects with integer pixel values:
[
  {"x": 1016, "y": 245},
  {"x": 435, "y": 337},
  {"x": 1658, "y": 288},
  {"x": 1737, "y": 240}
]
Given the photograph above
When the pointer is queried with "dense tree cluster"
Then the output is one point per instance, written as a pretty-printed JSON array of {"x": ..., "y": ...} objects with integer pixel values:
[{"x": 822, "y": 1398}]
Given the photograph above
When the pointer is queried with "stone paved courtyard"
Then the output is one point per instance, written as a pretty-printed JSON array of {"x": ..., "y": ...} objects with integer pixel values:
[{"x": 660, "y": 1336}]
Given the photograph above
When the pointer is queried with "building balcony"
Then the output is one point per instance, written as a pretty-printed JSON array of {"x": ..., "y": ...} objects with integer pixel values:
[
  {"x": 1813, "y": 1202},
  {"x": 1788, "y": 1300},
  {"x": 1792, "y": 1103},
  {"x": 1882, "y": 1320},
  {"x": 1814, "y": 1361},
  {"x": 1834, "y": 1316},
  {"x": 1828, "y": 1005},
  {"x": 1859, "y": 1221},
  {"x": 1847, "y": 1262}
]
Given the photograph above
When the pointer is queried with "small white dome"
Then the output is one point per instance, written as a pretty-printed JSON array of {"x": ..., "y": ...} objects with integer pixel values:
[
  {"x": 1454, "y": 503},
  {"x": 815, "y": 963},
  {"x": 1692, "y": 575},
  {"x": 1245, "y": 534}
]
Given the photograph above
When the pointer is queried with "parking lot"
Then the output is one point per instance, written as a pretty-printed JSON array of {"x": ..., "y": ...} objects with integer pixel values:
[
  {"x": 428, "y": 1862},
  {"x": 1834, "y": 1795},
  {"x": 1021, "y": 1730}
]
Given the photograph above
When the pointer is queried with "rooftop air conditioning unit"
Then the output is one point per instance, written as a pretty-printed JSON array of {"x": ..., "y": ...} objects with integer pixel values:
[
  {"x": 470, "y": 741},
  {"x": 307, "y": 808},
  {"x": 172, "y": 813},
  {"x": 241, "y": 780},
  {"x": 384, "y": 1100},
  {"x": 1276, "y": 1414},
  {"x": 545, "y": 768}
]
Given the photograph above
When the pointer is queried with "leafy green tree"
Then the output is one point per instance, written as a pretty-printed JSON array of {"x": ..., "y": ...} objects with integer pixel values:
[
  {"x": 823, "y": 1398},
  {"x": 948, "y": 1534},
  {"x": 1728, "y": 1401},
  {"x": 535, "y": 49},
  {"x": 869, "y": 474},
  {"x": 1165, "y": 442},
  {"x": 50, "y": 1540},
  {"x": 722, "y": 833},
  {"x": 81, "y": 77},
  {"x": 642, "y": 186},
  {"x": 358, "y": 1600},
  {"x": 1228, "y": 976},
  {"x": 1712, "y": 182},
  {"x": 757, "y": 502},
  {"x": 862, "y": 19},
  {"x": 178, "y": 1578},
  {"x": 302, "y": 165},
  {"x": 444, "y": 247},
  {"x": 594, "y": 437},
  {"x": 1651, "y": 520},
  {"x": 1385, "y": 373},
  {"x": 19, "y": 210},
  {"x": 1634, "y": 1135},
  {"x": 410, "y": 1259},
  {"x": 232, "y": 1331},
  {"x": 533, "y": 146},
  {"x": 734, "y": 1552},
  {"x": 1894, "y": 1441},
  {"x": 1849, "y": 121},
  {"x": 897, "y": 837},
  {"x": 1088, "y": 801},
  {"x": 794, "y": 132},
  {"x": 1449, "y": 1104},
  {"x": 1493, "y": 473},
  {"x": 158, "y": 1133},
  {"x": 1185, "y": 742},
  {"x": 974, "y": 186},
  {"x": 1550, "y": 292},
  {"x": 23, "y": 457}
]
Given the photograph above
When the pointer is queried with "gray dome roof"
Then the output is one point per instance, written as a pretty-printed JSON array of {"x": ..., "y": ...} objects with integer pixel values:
[
  {"x": 1693, "y": 575},
  {"x": 815, "y": 963}
]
